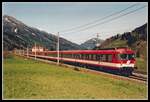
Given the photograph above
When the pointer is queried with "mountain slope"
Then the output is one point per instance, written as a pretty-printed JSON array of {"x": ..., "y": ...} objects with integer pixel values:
[
  {"x": 18, "y": 35},
  {"x": 91, "y": 43}
]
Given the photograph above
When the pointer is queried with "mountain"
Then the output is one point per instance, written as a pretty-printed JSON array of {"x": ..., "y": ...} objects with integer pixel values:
[
  {"x": 91, "y": 43},
  {"x": 16, "y": 34}
]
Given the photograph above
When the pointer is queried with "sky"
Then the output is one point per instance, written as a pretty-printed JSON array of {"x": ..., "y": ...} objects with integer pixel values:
[{"x": 54, "y": 17}]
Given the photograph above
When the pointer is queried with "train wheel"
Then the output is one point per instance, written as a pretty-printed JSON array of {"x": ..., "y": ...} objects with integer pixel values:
[{"x": 126, "y": 71}]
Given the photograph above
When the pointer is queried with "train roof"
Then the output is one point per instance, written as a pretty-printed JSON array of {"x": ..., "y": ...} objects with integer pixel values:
[{"x": 101, "y": 51}]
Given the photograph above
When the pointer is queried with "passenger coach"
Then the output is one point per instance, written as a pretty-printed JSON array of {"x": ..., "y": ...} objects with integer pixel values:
[{"x": 113, "y": 60}]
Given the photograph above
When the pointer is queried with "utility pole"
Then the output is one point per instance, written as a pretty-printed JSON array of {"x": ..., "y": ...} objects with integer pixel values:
[
  {"x": 23, "y": 51},
  {"x": 35, "y": 50},
  {"x": 97, "y": 43},
  {"x": 27, "y": 52},
  {"x": 15, "y": 51},
  {"x": 20, "y": 51},
  {"x": 58, "y": 48}
]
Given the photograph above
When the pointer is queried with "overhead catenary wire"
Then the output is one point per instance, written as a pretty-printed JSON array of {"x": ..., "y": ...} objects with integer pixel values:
[
  {"x": 109, "y": 20},
  {"x": 100, "y": 19},
  {"x": 114, "y": 18}
]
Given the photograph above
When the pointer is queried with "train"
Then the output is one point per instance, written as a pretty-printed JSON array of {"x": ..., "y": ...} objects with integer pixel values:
[{"x": 113, "y": 60}]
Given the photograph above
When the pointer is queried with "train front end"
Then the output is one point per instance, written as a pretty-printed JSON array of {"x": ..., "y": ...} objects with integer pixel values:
[{"x": 126, "y": 59}]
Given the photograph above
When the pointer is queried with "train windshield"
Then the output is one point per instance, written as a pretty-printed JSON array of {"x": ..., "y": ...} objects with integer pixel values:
[
  {"x": 126, "y": 56},
  {"x": 131, "y": 56}
]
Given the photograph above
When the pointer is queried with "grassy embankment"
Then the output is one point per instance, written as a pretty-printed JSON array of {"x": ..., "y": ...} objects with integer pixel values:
[{"x": 28, "y": 79}]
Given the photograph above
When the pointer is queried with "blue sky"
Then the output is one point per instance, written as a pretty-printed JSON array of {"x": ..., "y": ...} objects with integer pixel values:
[{"x": 54, "y": 17}]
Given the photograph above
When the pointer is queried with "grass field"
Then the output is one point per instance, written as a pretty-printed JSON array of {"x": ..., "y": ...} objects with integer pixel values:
[
  {"x": 29, "y": 79},
  {"x": 141, "y": 64}
]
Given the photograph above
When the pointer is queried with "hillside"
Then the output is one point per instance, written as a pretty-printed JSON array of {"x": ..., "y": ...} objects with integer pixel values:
[
  {"x": 18, "y": 35},
  {"x": 91, "y": 43}
]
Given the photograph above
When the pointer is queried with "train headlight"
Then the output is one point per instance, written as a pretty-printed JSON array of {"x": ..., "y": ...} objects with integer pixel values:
[{"x": 128, "y": 62}]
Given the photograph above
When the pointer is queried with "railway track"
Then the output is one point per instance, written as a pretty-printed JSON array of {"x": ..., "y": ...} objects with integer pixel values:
[
  {"x": 138, "y": 77},
  {"x": 135, "y": 77}
]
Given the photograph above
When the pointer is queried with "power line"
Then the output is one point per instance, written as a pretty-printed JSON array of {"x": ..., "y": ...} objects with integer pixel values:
[
  {"x": 110, "y": 19},
  {"x": 115, "y": 13},
  {"x": 113, "y": 18}
]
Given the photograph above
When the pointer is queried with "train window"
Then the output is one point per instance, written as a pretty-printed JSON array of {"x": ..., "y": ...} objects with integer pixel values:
[
  {"x": 64, "y": 55},
  {"x": 87, "y": 56},
  {"x": 82, "y": 56},
  {"x": 131, "y": 56},
  {"x": 100, "y": 57},
  {"x": 103, "y": 57},
  {"x": 60, "y": 55},
  {"x": 90, "y": 56},
  {"x": 97, "y": 57},
  {"x": 74, "y": 56},
  {"x": 68, "y": 55},
  {"x": 126, "y": 56},
  {"x": 108, "y": 57},
  {"x": 79, "y": 56},
  {"x": 71, "y": 55},
  {"x": 52, "y": 55},
  {"x": 123, "y": 56},
  {"x": 94, "y": 56}
]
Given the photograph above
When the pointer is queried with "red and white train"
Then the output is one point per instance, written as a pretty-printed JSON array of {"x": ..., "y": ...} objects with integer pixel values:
[{"x": 115, "y": 60}]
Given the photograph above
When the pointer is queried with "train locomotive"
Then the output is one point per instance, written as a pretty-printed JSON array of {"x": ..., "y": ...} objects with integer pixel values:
[{"x": 113, "y": 60}]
